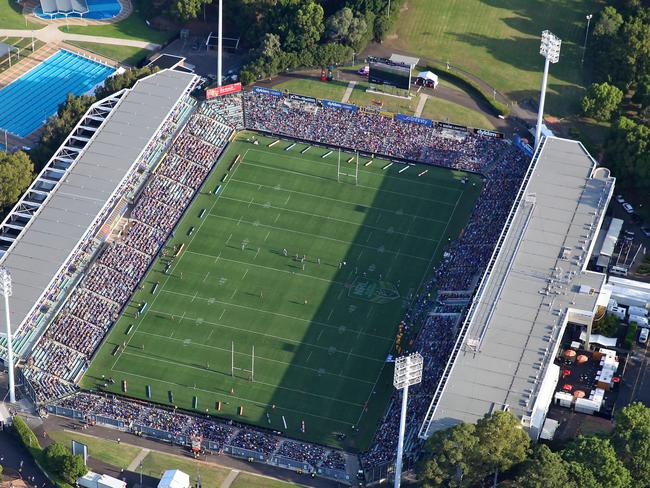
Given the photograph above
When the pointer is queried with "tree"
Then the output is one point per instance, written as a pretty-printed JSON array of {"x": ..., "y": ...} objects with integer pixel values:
[
  {"x": 544, "y": 469},
  {"x": 55, "y": 453},
  {"x": 345, "y": 28},
  {"x": 608, "y": 24},
  {"x": 270, "y": 45},
  {"x": 601, "y": 100},
  {"x": 299, "y": 23},
  {"x": 631, "y": 439},
  {"x": 73, "y": 467},
  {"x": 447, "y": 458},
  {"x": 16, "y": 174},
  {"x": 628, "y": 154},
  {"x": 642, "y": 94},
  {"x": 190, "y": 9},
  {"x": 597, "y": 458},
  {"x": 502, "y": 443}
]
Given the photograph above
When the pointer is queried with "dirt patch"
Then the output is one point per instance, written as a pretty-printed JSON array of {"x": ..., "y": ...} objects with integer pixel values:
[
  {"x": 404, "y": 7},
  {"x": 391, "y": 37}
]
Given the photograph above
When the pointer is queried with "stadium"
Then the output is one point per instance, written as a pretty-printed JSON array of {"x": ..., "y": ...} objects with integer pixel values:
[{"x": 241, "y": 272}]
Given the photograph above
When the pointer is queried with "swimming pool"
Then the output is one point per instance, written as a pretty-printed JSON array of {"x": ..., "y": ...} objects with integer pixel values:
[
  {"x": 97, "y": 9},
  {"x": 26, "y": 103}
]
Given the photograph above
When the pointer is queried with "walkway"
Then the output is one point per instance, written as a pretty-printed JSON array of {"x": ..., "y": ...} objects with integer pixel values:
[
  {"x": 138, "y": 459},
  {"x": 348, "y": 91},
  {"x": 421, "y": 103},
  {"x": 230, "y": 478},
  {"x": 51, "y": 33}
]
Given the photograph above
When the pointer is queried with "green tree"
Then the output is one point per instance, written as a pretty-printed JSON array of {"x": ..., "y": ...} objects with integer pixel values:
[
  {"x": 628, "y": 154},
  {"x": 16, "y": 174},
  {"x": 608, "y": 24},
  {"x": 544, "y": 469},
  {"x": 73, "y": 467},
  {"x": 448, "y": 458},
  {"x": 601, "y": 100},
  {"x": 344, "y": 27},
  {"x": 55, "y": 453},
  {"x": 502, "y": 443},
  {"x": 299, "y": 23},
  {"x": 598, "y": 458},
  {"x": 189, "y": 9},
  {"x": 271, "y": 46},
  {"x": 642, "y": 94},
  {"x": 631, "y": 439}
]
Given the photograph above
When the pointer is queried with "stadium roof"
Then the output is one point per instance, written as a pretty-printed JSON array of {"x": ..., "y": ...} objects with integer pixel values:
[
  {"x": 536, "y": 282},
  {"x": 44, "y": 228}
]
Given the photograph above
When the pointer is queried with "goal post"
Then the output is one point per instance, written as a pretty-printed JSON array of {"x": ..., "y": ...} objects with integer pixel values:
[
  {"x": 250, "y": 372},
  {"x": 346, "y": 171}
]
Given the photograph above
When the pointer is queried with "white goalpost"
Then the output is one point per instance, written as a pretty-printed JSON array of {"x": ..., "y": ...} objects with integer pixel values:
[
  {"x": 354, "y": 175},
  {"x": 233, "y": 368}
]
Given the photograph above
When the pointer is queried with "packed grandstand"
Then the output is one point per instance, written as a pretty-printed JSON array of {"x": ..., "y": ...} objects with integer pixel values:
[{"x": 154, "y": 194}]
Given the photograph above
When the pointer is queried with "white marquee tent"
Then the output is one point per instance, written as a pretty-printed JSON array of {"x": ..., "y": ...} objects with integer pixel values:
[
  {"x": 429, "y": 76},
  {"x": 174, "y": 478}
]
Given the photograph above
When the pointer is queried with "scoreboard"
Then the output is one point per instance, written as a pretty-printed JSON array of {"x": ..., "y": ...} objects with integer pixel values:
[{"x": 386, "y": 72}]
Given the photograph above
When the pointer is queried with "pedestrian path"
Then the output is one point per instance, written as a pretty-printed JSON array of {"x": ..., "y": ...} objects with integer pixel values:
[
  {"x": 230, "y": 478},
  {"x": 421, "y": 103},
  {"x": 348, "y": 91},
  {"x": 138, "y": 459}
]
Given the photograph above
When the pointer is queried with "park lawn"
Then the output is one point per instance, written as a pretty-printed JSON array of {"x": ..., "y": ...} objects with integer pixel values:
[
  {"x": 314, "y": 87},
  {"x": 11, "y": 17},
  {"x": 498, "y": 41},
  {"x": 321, "y": 330},
  {"x": 362, "y": 98},
  {"x": 129, "y": 55},
  {"x": 245, "y": 480},
  {"x": 156, "y": 463},
  {"x": 444, "y": 110},
  {"x": 110, "y": 452}
]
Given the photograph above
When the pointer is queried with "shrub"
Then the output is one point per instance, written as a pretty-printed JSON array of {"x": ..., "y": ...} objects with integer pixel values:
[
  {"x": 26, "y": 435},
  {"x": 630, "y": 335}
]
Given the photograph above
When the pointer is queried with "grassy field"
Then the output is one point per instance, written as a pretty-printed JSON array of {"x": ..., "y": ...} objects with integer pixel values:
[
  {"x": 332, "y": 90},
  {"x": 11, "y": 17},
  {"x": 23, "y": 49},
  {"x": 123, "y": 54},
  {"x": 245, "y": 480},
  {"x": 321, "y": 329},
  {"x": 110, "y": 452},
  {"x": 211, "y": 476},
  {"x": 438, "y": 109},
  {"x": 498, "y": 41}
]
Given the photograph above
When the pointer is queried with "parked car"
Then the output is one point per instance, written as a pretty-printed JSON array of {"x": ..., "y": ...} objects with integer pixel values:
[
  {"x": 364, "y": 71},
  {"x": 620, "y": 199},
  {"x": 643, "y": 335},
  {"x": 628, "y": 235},
  {"x": 646, "y": 231},
  {"x": 628, "y": 208}
]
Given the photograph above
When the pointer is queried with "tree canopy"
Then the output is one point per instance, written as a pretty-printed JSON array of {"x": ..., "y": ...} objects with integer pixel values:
[
  {"x": 631, "y": 440},
  {"x": 16, "y": 174},
  {"x": 601, "y": 100},
  {"x": 544, "y": 469},
  {"x": 597, "y": 459}
]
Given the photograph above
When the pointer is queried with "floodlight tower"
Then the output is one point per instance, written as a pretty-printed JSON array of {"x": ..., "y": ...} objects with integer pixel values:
[
  {"x": 219, "y": 43},
  {"x": 5, "y": 290},
  {"x": 550, "y": 49},
  {"x": 408, "y": 371}
]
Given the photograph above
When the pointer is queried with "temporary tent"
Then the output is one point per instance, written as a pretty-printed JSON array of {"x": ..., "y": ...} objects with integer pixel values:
[
  {"x": 174, "y": 478},
  {"x": 430, "y": 77}
]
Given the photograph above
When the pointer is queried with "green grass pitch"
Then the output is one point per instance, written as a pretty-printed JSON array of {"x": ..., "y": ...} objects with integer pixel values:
[{"x": 321, "y": 329}]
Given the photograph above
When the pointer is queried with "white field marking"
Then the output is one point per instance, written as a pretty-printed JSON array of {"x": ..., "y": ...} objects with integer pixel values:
[
  {"x": 228, "y": 240},
  {"x": 330, "y": 315},
  {"x": 257, "y": 381},
  {"x": 144, "y": 315},
  {"x": 240, "y": 219},
  {"x": 342, "y": 283},
  {"x": 309, "y": 356},
  {"x": 262, "y": 358},
  {"x": 298, "y": 412},
  {"x": 369, "y": 172},
  {"x": 259, "y": 310},
  {"x": 375, "y": 189},
  {"x": 215, "y": 325},
  {"x": 340, "y": 295},
  {"x": 206, "y": 276},
  {"x": 179, "y": 323},
  {"x": 360, "y": 253},
  {"x": 319, "y": 334},
  {"x": 249, "y": 203},
  {"x": 258, "y": 251},
  {"x": 369, "y": 236},
  {"x": 338, "y": 200},
  {"x": 370, "y": 310},
  {"x": 357, "y": 224},
  {"x": 209, "y": 335},
  {"x": 267, "y": 235},
  {"x": 195, "y": 293},
  {"x": 287, "y": 201},
  {"x": 222, "y": 312},
  {"x": 282, "y": 229},
  {"x": 276, "y": 218},
  {"x": 233, "y": 293},
  {"x": 245, "y": 273},
  {"x": 215, "y": 259}
]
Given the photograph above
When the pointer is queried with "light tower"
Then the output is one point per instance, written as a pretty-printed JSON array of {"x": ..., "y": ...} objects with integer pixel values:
[
  {"x": 550, "y": 49},
  {"x": 408, "y": 371},
  {"x": 5, "y": 290},
  {"x": 219, "y": 43}
]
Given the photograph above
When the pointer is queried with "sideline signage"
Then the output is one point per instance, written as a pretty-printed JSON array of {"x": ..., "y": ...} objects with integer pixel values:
[{"x": 222, "y": 90}]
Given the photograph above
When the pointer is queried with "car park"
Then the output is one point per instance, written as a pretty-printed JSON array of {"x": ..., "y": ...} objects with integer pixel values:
[
  {"x": 643, "y": 335},
  {"x": 628, "y": 235},
  {"x": 628, "y": 208}
]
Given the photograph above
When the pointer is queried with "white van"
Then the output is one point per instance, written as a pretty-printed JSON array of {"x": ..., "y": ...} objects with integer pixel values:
[
  {"x": 639, "y": 311},
  {"x": 643, "y": 336},
  {"x": 618, "y": 270}
]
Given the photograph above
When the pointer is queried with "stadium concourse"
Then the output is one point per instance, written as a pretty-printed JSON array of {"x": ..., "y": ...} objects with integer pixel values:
[{"x": 168, "y": 144}]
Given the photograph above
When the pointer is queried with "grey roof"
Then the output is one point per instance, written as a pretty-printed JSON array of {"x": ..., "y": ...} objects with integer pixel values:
[
  {"x": 52, "y": 235},
  {"x": 399, "y": 58},
  {"x": 534, "y": 284},
  {"x": 64, "y": 6}
]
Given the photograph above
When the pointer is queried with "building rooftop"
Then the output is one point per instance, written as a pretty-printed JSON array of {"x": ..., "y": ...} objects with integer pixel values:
[
  {"x": 536, "y": 284},
  {"x": 65, "y": 200}
]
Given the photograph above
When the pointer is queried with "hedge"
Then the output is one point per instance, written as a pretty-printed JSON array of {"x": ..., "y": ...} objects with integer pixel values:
[
  {"x": 630, "y": 335},
  {"x": 470, "y": 85},
  {"x": 26, "y": 435}
]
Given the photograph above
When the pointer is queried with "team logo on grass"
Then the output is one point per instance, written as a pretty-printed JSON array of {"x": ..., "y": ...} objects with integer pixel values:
[{"x": 375, "y": 291}]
